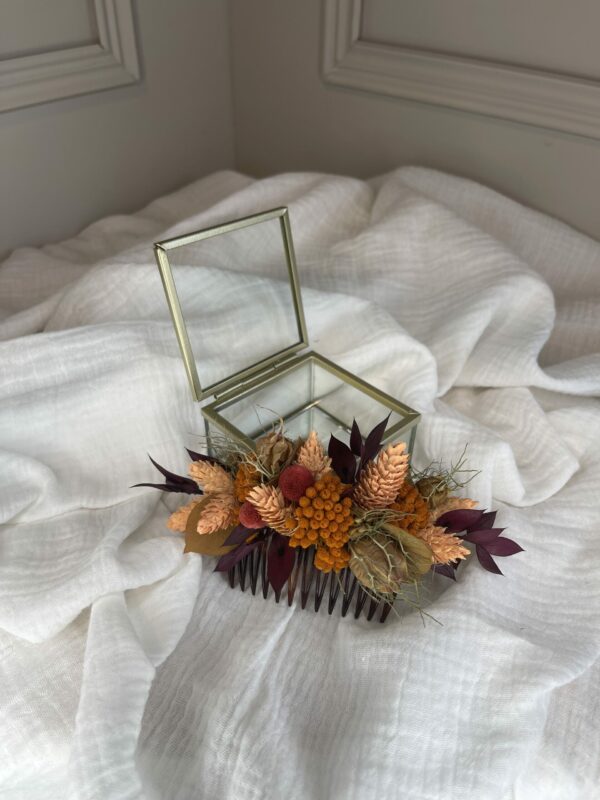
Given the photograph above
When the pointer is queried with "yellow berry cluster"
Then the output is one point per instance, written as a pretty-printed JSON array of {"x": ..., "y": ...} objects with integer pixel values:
[{"x": 323, "y": 518}]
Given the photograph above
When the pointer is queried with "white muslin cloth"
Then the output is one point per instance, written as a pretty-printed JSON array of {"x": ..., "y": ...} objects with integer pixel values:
[{"x": 129, "y": 670}]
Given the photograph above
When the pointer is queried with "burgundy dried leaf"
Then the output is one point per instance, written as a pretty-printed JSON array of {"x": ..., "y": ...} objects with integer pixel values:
[
  {"x": 280, "y": 561},
  {"x": 343, "y": 460},
  {"x": 202, "y": 457},
  {"x": 373, "y": 441},
  {"x": 448, "y": 570},
  {"x": 503, "y": 547},
  {"x": 229, "y": 560},
  {"x": 238, "y": 535},
  {"x": 170, "y": 487},
  {"x": 460, "y": 520},
  {"x": 486, "y": 561},
  {"x": 482, "y": 537},
  {"x": 356, "y": 442},
  {"x": 174, "y": 483},
  {"x": 487, "y": 520}
]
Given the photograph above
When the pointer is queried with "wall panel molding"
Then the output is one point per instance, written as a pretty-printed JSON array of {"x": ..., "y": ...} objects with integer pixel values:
[
  {"x": 47, "y": 76},
  {"x": 548, "y": 99}
]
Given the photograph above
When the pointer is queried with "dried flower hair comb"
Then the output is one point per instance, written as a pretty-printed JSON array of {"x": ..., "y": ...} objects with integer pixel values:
[{"x": 354, "y": 522}]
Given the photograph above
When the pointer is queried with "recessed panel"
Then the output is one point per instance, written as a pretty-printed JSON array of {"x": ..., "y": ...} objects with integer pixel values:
[
  {"x": 549, "y": 35},
  {"x": 28, "y": 27}
]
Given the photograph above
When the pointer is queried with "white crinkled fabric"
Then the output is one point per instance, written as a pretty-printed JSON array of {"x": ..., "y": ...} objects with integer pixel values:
[{"x": 129, "y": 670}]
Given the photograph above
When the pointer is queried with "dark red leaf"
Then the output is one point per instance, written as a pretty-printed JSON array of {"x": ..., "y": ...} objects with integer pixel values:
[
  {"x": 486, "y": 561},
  {"x": 356, "y": 442},
  {"x": 171, "y": 487},
  {"x": 201, "y": 457},
  {"x": 482, "y": 537},
  {"x": 373, "y": 441},
  {"x": 343, "y": 460},
  {"x": 280, "y": 561},
  {"x": 504, "y": 547},
  {"x": 487, "y": 520},
  {"x": 445, "y": 569},
  {"x": 238, "y": 535},
  {"x": 460, "y": 520},
  {"x": 229, "y": 560},
  {"x": 187, "y": 484}
]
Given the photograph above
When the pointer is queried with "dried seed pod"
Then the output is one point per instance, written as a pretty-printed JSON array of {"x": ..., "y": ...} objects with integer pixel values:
[
  {"x": 433, "y": 489},
  {"x": 275, "y": 451},
  {"x": 379, "y": 564}
]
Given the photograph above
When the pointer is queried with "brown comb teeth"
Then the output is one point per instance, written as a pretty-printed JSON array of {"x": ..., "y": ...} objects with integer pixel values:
[{"x": 251, "y": 572}]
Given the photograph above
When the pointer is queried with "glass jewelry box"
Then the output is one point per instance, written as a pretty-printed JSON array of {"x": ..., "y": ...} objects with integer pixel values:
[{"x": 236, "y": 305}]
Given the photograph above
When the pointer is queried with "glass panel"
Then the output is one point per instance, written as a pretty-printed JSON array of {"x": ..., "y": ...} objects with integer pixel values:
[
  {"x": 236, "y": 298},
  {"x": 307, "y": 398}
]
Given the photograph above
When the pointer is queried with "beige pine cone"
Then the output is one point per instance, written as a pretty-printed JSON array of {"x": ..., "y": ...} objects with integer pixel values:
[
  {"x": 270, "y": 504},
  {"x": 178, "y": 519},
  {"x": 219, "y": 512},
  {"x": 444, "y": 546},
  {"x": 312, "y": 456},
  {"x": 381, "y": 480},
  {"x": 211, "y": 477}
]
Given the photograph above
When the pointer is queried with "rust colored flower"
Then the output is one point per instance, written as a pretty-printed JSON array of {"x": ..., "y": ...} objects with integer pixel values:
[
  {"x": 246, "y": 478},
  {"x": 413, "y": 508},
  {"x": 322, "y": 515}
]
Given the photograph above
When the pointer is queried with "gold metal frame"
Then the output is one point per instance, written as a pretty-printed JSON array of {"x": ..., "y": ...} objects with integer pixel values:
[
  {"x": 408, "y": 421},
  {"x": 245, "y": 381},
  {"x": 161, "y": 250}
]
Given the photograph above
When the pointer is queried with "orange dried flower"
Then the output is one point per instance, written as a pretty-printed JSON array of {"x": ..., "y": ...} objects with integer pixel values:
[
  {"x": 246, "y": 478},
  {"x": 412, "y": 506},
  {"x": 323, "y": 518}
]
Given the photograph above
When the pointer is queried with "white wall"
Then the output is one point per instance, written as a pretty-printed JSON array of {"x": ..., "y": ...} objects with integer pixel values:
[
  {"x": 66, "y": 163},
  {"x": 288, "y": 118}
]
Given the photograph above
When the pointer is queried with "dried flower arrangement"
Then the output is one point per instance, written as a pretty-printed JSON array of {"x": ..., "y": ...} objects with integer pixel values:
[{"x": 290, "y": 512}]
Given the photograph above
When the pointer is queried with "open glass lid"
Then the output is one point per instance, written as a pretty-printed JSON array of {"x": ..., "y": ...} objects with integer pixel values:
[{"x": 234, "y": 297}]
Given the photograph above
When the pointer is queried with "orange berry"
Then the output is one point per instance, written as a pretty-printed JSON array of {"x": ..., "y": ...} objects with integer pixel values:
[
  {"x": 318, "y": 486},
  {"x": 304, "y": 502},
  {"x": 317, "y": 503},
  {"x": 310, "y": 492}
]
